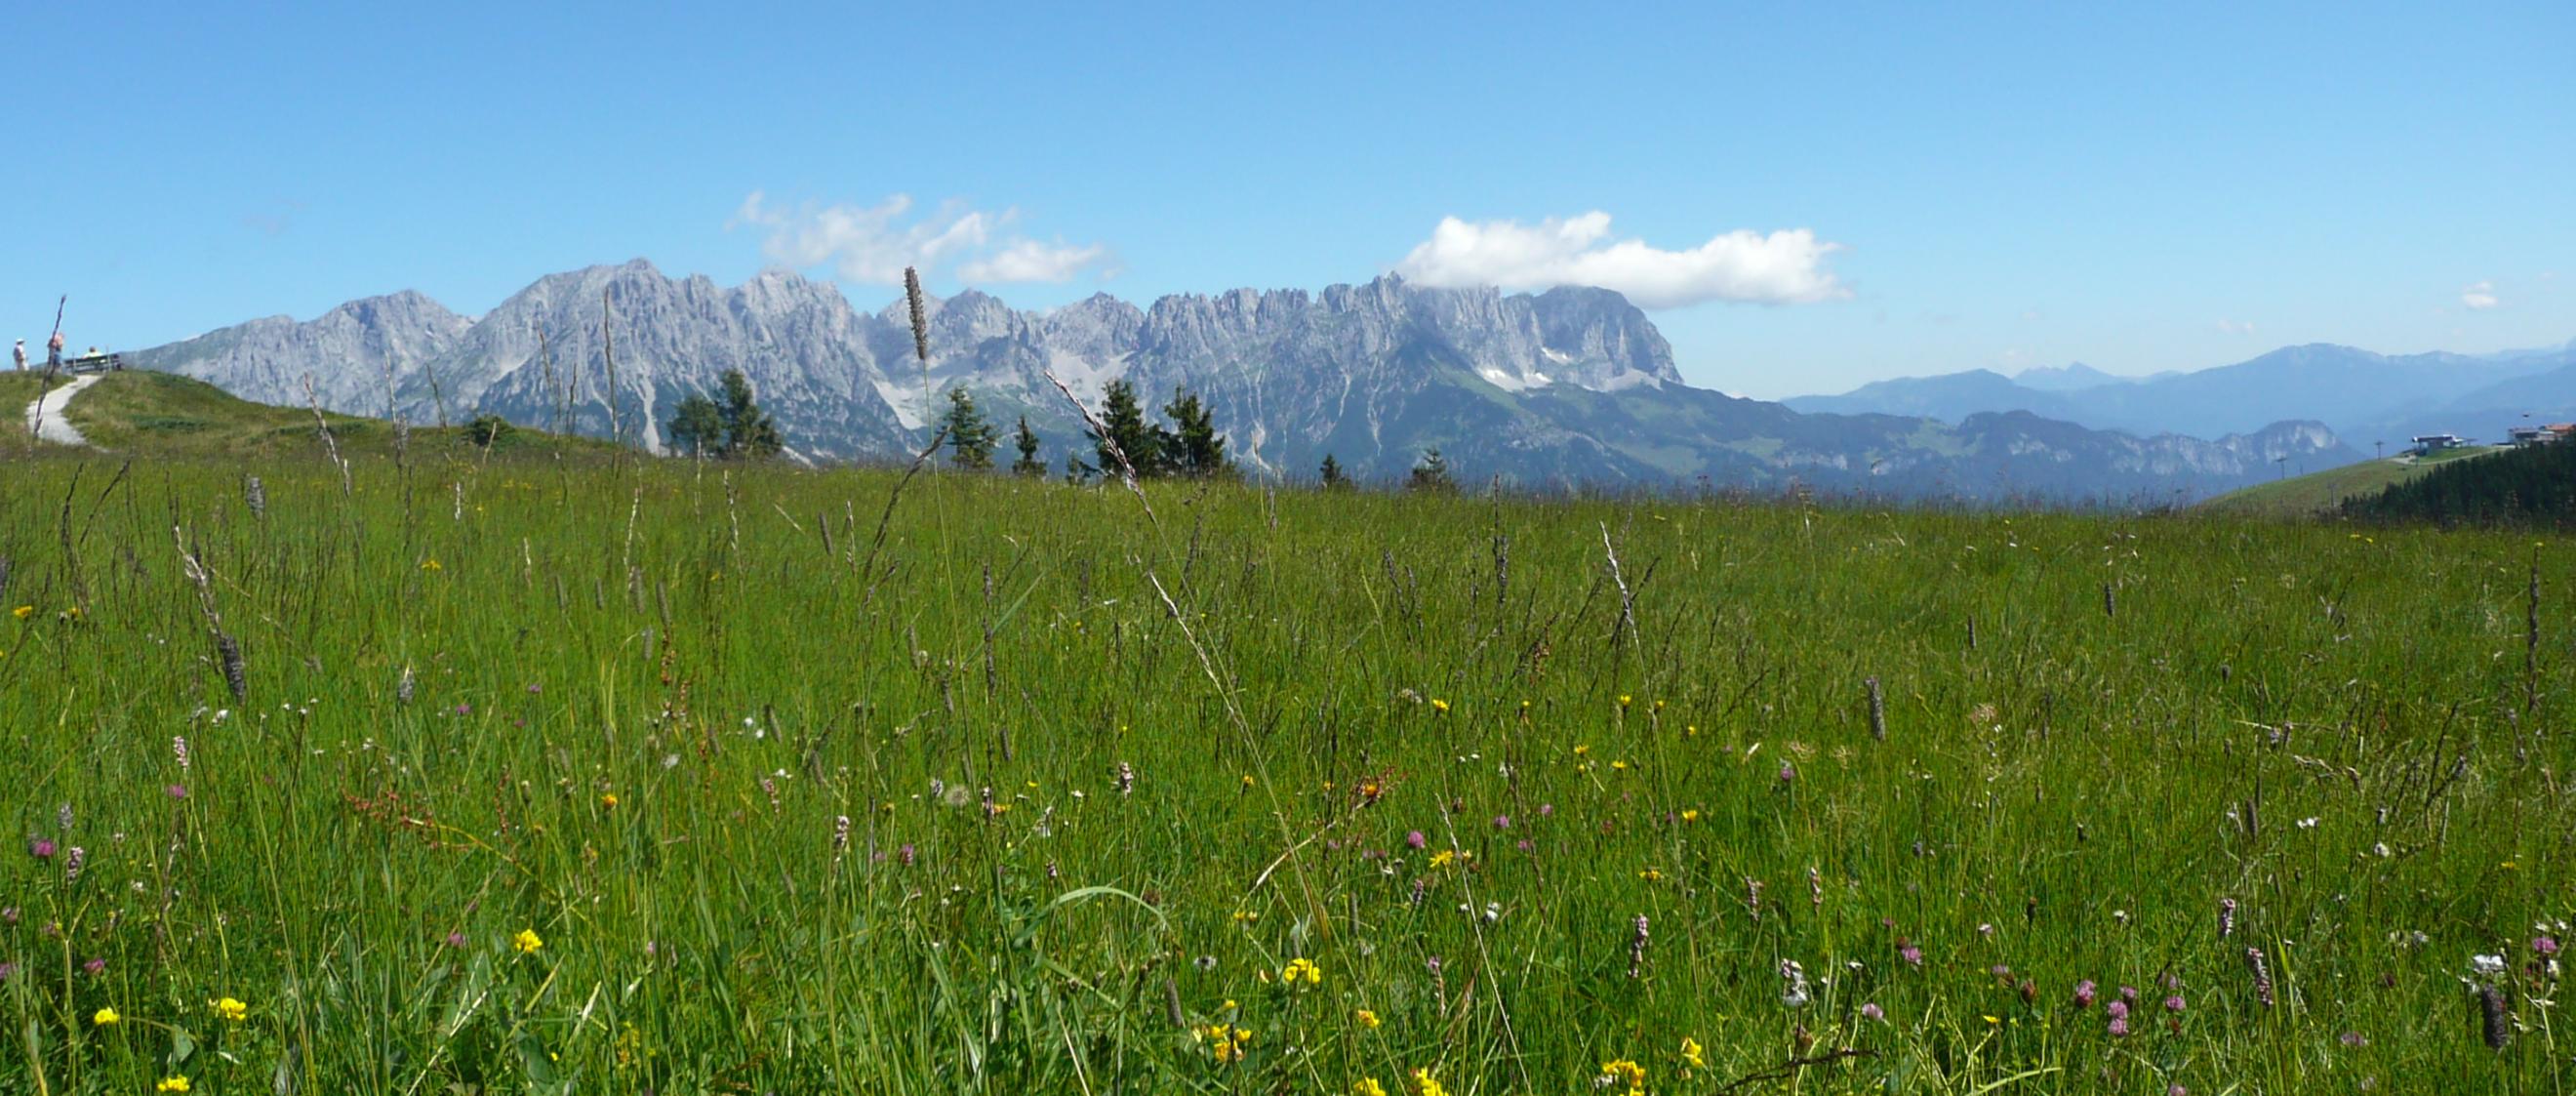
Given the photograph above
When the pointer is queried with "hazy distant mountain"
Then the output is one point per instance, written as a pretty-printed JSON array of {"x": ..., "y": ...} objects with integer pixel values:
[
  {"x": 2071, "y": 377},
  {"x": 2359, "y": 394},
  {"x": 1571, "y": 386}
]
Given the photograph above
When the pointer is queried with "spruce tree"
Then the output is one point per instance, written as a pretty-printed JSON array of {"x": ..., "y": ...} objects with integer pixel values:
[
  {"x": 1432, "y": 474},
  {"x": 748, "y": 431},
  {"x": 1128, "y": 433},
  {"x": 1193, "y": 448},
  {"x": 1027, "y": 442},
  {"x": 1334, "y": 478},
  {"x": 970, "y": 435}
]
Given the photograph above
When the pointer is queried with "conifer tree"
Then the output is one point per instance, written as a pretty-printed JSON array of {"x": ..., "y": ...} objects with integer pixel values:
[
  {"x": 1027, "y": 442},
  {"x": 1128, "y": 434},
  {"x": 1193, "y": 447},
  {"x": 1432, "y": 474},
  {"x": 970, "y": 435},
  {"x": 748, "y": 431}
]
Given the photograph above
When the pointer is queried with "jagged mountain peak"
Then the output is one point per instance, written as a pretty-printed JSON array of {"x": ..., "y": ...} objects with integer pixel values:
[{"x": 1572, "y": 384}]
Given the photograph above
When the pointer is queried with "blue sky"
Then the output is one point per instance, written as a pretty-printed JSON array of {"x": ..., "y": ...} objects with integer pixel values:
[{"x": 1813, "y": 198}]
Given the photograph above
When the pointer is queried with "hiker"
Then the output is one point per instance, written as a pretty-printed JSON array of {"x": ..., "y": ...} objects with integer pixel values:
[
  {"x": 18, "y": 354},
  {"x": 54, "y": 352}
]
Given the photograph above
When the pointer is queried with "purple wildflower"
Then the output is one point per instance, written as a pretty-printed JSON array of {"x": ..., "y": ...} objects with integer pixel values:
[
  {"x": 2173, "y": 1003},
  {"x": 176, "y": 791},
  {"x": 1871, "y": 1011},
  {"x": 1502, "y": 821},
  {"x": 1413, "y": 839},
  {"x": 94, "y": 967},
  {"x": 2119, "y": 1028},
  {"x": 1911, "y": 954},
  {"x": 2545, "y": 946},
  {"x": 2118, "y": 1010},
  {"x": 2084, "y": 993},
  {"x": 40, "y": 848},
  {"x": 1788, "y": 773}
]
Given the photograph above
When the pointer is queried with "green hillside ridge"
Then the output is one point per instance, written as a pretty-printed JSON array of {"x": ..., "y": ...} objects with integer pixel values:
[
  {"x": 146, "y": 413},
  {"x": 2320, "y": 492},
  {"x": 2534, "y": 486}
]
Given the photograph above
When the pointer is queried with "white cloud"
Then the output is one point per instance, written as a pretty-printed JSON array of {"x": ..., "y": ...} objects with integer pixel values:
[
  {"x": 1784, "y": 267},
  {"x": 2478, "y": 296},
  {"x": 873, "y": 244},
  {"x": 1031, "y": 261},
  {"x": 2236, "y": 327}
]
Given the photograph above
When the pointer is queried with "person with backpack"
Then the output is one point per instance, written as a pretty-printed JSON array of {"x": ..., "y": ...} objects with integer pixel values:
[{"x": 18, "y": 354}]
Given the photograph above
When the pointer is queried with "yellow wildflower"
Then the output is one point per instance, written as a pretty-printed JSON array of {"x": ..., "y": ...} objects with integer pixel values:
[
  {"x": 1427, "y": 1085},
  {"x": 1694, "y": 1053},
  {"x": 23, "y": 612},
  {"x": 1225, "y": 1043},
  {"x": 1366, "y": 1018},
  {"x": 1439, "y": 705},
  {"x": 228, "y": 1010},
  {"x": 1367, "y": 1086},
  {"x": 1651, "y": 875},
  {"x": 527, "y": 940},
  {"x": 1627, "y": 1072},
  {"x": 1443, "y": 858},
  {"x": 1690, "y": 814},
  {"x": 172, "y": 1084},
  {"x": 105, "y": 1016},
  {"x": 431, "y": 565},
  {"x": 1624, "y": 699},
  {"x": 608, "y": 800},
  {"x": 1245, "y": 917},
  {"x": 1301, "y": 970},
  {"x": 1247, "y": 780}
]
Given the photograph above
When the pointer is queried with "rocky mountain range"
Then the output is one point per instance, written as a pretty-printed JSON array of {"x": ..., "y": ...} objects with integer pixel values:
[
  {"x": 2361, "y": 396},
  {"x": 1569, "y": 387}
]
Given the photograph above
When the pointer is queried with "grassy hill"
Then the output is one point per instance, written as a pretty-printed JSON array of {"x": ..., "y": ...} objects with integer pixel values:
[
  {"x": 145, "y": 413},
  {"x": 2321, "y": 492},
  {"x": 639, "y": 777}
]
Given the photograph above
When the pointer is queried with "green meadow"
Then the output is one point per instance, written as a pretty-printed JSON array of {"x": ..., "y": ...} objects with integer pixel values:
[{"x": 516, "y": 775}]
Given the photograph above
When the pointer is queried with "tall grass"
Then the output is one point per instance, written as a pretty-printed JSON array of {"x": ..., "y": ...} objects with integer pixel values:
[{"x": 1047, "y": 800}]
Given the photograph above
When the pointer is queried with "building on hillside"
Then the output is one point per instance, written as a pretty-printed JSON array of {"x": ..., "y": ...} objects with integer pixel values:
[
  {"x": 2524, "y": 437},
  {"x": 2434, "y": 443}
]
